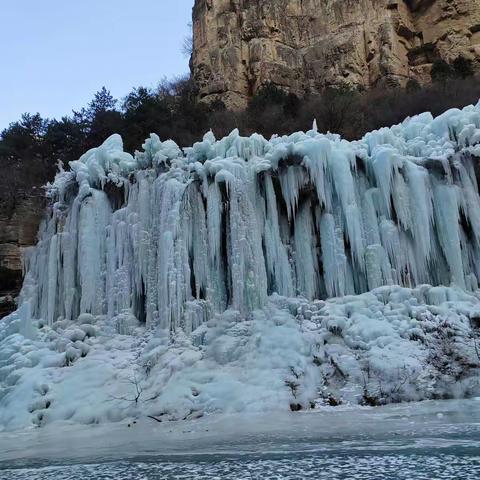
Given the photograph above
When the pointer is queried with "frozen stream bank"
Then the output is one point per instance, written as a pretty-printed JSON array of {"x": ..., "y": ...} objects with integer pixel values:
[{"x": 408, "y": 441}]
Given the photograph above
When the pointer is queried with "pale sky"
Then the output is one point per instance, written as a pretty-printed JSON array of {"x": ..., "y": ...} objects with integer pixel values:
[{"x": 55, "y": 54}]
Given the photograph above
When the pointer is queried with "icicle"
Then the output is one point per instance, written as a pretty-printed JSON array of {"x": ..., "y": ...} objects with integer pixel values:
[
  {"x": 447, "y": 216},
  {"x": 276, "y": 254},
  {"x": 306, "y": 261},
  {"x": 333, "y": 256}
]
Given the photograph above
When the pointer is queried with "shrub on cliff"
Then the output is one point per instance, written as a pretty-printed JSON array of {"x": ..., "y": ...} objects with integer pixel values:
[{"x": 442, "y": 71}]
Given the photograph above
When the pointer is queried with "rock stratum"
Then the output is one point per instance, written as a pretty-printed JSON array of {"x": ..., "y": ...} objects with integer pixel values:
[
  {"x": 22, "y": 207},
  {"x": 307, "y": 45},
  {"x": 18, "y": 231}
]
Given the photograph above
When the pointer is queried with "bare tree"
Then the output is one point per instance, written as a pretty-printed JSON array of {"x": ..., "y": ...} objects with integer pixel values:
[
  {"x": 187, "y": 44},
  {"x": 137, "y": 392},
  {"x": 474, "y": 325}
]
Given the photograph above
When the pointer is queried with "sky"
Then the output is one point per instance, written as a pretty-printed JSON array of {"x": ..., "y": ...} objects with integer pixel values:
[{"x": 55, "y": 54}]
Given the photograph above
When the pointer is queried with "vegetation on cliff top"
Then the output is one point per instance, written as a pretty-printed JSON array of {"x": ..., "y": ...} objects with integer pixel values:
[{"x": 31, "y": 148}]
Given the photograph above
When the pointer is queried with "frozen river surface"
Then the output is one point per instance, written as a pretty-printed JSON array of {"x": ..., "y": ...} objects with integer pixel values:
[{"x": 430, "y": 440}]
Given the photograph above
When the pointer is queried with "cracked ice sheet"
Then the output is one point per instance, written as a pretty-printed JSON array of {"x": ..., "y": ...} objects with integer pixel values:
[{"x": 396, "y": 428}]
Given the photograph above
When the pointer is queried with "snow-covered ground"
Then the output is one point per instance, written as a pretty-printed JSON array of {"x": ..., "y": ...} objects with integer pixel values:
[
  {"x": 390, "y": 345},
  {"x": 434, "y": 439}
]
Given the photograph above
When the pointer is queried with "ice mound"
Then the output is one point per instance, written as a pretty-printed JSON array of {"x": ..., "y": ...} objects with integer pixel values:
[
  {"x": 392, "y": 344},
  {"x": 176, "y": 283}
]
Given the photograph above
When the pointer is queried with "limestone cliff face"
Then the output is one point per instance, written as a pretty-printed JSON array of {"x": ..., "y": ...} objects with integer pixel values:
[
  {"x": 22, "y": 208},
  {"x": 306, "y": 45},
  {"x": 18, "y": 231}
]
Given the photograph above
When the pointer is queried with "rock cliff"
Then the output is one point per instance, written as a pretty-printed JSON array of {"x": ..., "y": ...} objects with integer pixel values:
[
  {"x": 18, "y": 231},
  {"x": 22, "y": 203},
  {"x": 306, "y": 45}
]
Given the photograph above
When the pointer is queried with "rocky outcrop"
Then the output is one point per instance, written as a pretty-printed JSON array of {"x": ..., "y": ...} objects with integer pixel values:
[
  {"x": 306, "y": 45},
  {"x": 22, "y": 207},
  {"x": 18, "y": 231}
]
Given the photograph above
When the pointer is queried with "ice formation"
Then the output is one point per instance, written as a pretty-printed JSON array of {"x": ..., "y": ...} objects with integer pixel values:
[
  {"x": 233, "y": 275},
  {"x": 390, "y": 345},
  {"x": 173, "y": 237}
]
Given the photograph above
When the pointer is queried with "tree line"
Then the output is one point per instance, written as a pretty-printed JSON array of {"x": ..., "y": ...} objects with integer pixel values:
[{"x": 31, "y": 148}]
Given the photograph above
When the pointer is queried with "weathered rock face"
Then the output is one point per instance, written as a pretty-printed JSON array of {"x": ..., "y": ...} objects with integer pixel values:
[
  {"x": 306, "y": 45},
  {"x": 22, "y": 208},
  {"x": 18, "y": 230}
]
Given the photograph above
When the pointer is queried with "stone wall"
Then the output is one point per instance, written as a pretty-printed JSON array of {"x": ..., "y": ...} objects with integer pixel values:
[{"x": 306, "y": 45}]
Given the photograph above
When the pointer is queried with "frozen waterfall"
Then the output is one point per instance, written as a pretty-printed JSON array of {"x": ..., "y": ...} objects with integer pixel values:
[{"x": 174, "y": 236}]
